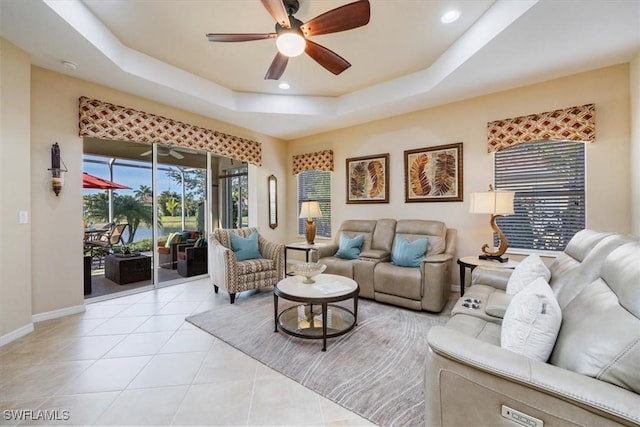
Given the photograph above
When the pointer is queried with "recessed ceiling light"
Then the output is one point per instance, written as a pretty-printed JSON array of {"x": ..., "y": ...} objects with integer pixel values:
[
  {"x": 284, "y": 85},
  {"x": 450, "y": 16},
  {"x": 69, "y": 65}
]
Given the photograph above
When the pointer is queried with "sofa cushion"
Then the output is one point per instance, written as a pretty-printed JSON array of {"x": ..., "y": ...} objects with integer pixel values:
[
  {"x": 600, "y": 334},
  {"x": 341, "y": 267},
  {"x": 404, "y": 282},
  {"x": 408, "y": 253},
  {"x": 526, "y": 272},
  {"x": 532, "y": 321},
  {"x": 349, "y": 247},
  {"x": 245, "y": 248},
  {"x": 434, "y": 231},
  {"x": 497, "y": 303}
]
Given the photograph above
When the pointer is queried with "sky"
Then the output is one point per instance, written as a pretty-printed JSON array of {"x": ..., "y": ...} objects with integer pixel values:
[{"x": 132, "y": 177}]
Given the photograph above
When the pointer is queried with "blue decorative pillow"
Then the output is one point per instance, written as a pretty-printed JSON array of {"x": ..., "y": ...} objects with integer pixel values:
[
  {"x": 350, "y": 246},
  {"x": 408, "y": 254},
  {"x": 245, "y": 248}
]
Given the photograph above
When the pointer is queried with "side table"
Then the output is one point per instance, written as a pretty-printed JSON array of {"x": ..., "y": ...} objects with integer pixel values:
[
  {"x": 303, "y": 246},
  {"x": 472, "y": 262}
]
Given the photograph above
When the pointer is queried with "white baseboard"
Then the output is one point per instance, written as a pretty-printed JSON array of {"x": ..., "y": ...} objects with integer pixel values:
[
  {"x": 18, "y": 333},
  {"x": 54, "y": 314}
]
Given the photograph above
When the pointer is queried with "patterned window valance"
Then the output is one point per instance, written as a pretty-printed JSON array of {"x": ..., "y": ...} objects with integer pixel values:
[
  {"x": 321, "y": 160},
  {"x": 570, "y": 124},
  {"x": 103, "y": 120}
]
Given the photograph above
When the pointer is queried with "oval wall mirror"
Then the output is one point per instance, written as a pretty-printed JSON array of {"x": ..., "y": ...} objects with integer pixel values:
[{"x": 272, "y": 184}]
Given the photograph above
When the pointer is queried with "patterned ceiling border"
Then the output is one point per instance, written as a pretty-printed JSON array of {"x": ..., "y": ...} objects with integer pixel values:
[
  {"x": 569, "y": 124},
  {"x": 320, "y": 160},
  {"x": 103, "y": 120}
]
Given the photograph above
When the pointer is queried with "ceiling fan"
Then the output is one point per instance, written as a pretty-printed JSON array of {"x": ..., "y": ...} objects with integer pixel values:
[
  {"x": 164, "y": 152},
  {"x": 291, "y": 34}
]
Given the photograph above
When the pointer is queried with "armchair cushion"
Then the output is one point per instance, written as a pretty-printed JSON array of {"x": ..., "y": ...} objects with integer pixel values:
[
  {"x": 245, "y": 248},
  {"x": 406, "y": 253},
  {"x": 350, "y": 246},
  {"x": 532, "y": 321}
]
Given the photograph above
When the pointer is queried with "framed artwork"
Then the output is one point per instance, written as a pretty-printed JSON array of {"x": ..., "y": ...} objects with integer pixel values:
[
  {"x": 433, "y": 174},
  {"x": 368, "y": 179}
]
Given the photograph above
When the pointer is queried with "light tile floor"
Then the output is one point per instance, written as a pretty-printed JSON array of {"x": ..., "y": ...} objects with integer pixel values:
[{"x": 133, "y": 360}]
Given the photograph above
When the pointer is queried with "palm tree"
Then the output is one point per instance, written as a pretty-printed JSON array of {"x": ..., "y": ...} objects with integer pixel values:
[
  {"x": 143, "y": 193},
  {"x": 172, "y": 205},
  {"x": 133, "y": 212}
]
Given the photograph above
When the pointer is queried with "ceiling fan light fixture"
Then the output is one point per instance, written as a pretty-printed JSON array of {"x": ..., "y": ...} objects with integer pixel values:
[{"x": 291, "y": 44}]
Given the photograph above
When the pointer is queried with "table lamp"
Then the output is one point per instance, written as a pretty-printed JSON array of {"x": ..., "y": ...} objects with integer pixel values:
[
  {"x": 496, "y": 203},
  {"x": 310, "y": 210}
]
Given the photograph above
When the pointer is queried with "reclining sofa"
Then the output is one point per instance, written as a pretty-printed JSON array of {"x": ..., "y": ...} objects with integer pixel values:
[
  {"x": 426, "y": 287},
  {"x": 592, "y": 377}
]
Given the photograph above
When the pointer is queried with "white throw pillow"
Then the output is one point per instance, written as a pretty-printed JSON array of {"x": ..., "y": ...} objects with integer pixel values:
[
  {"x": 532, "y": 322},
  {"x": 526, "y": 272}
]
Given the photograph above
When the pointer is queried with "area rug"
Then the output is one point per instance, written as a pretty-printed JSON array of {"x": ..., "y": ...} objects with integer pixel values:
[{"x": 376, "y": 370}]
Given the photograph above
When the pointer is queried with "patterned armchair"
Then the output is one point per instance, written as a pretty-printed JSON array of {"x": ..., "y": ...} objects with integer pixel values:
[{"x": 236, "y": 276}]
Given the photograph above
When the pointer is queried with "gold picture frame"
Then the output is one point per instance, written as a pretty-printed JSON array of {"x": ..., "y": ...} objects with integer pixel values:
[
  {"x": 433, "y": 174},
  {"x": 368, "y": 179}
]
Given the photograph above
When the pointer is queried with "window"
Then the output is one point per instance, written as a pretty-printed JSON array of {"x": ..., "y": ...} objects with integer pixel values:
[
  {"x": 316, "y": 185},
  {"x": 549, "y": 182}
]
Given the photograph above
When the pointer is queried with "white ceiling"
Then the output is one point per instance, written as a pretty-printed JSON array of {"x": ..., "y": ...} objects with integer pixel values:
[{"x": 404, "y": 60}]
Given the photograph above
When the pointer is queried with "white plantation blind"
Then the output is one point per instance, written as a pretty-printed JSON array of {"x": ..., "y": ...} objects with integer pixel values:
[
  {"x": 316, "y": 185},
  {"x": 548, "y": 178}
]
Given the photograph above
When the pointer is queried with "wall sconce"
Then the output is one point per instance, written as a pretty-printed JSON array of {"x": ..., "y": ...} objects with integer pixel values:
[
  {"x": 496, "y": 203},
  {"x": 310, "y": 210},
  {"x": 57, "y": 179}
]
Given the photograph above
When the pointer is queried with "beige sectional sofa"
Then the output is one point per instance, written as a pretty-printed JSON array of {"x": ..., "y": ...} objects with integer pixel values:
[
  {"x": 419, "y": 288},
  {"x": 592, "y": 377}
]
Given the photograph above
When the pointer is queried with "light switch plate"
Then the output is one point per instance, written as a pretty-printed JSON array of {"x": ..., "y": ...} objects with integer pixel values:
[{"x": 24, "y": 217}]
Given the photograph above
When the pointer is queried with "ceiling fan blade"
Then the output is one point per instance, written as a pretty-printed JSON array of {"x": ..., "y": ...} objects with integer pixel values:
[
  {"x": 347, "y": 17},
  {"x": 240, "y": 37},
  {"x": 278, "y": 11},
  {"x": 146, "y": 153},
  {"x": 277, "y": 67},
  {"x": 327, "y": 58},
  {"x": 175, "y": 154}
]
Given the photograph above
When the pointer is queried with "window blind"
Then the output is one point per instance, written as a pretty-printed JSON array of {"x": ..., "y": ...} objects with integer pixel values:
[
  {"x": 548, "y": 178},
  {"x": 316, "y": 185}
]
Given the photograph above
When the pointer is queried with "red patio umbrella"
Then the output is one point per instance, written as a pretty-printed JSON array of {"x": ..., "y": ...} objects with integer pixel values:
[{"x": 90, "y": 181}]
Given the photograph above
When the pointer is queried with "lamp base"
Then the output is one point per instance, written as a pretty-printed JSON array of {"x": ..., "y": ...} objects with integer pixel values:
[
  {"x": 493, "y": 258},
  {"x": 310, "y": 232}
]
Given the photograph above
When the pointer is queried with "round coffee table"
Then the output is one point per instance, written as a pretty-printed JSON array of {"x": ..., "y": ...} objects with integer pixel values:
[{"x": 316, "y": 317}]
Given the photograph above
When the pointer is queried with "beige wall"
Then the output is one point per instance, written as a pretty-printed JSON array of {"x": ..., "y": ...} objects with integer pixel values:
[
  {"x": 57, "y": 221},
  {"x": 15, "y": 183},
  {"x": 608, "y": 175},
  {"x": 634, "y": 80}
]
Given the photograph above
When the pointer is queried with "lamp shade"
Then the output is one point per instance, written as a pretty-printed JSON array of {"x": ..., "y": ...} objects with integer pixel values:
[
  {"x": 492, "y": 202},
  {"x": 310, "y": 209}
]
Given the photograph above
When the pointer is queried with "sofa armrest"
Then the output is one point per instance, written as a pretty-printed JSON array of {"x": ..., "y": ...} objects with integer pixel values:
[
  {"x": 327, "y": 251},
  {"x": 435, "y": 271},
  {"x": 375, "y": 254},
  {"x": 578, "y": 398},
  {"x": 494, "y": 277}
]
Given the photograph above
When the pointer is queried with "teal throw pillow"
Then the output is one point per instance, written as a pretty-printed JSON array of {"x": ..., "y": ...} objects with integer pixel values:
[
  {"x": 408, "y": 254},
  {"x": 245, "y": 248},
  {"x": 350, "y": 246}
]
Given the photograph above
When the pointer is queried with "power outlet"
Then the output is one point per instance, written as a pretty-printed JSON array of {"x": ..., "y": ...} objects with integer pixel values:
[{"x": 520, "y": 417}]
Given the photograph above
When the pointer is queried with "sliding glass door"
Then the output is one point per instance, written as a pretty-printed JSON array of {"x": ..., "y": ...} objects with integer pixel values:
[{"x": 157, "y": 198}]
